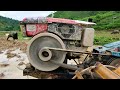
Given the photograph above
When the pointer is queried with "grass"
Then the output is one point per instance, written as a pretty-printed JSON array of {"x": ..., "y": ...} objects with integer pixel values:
[
  {"x": 2, "y": 33},
  {"x": 105, "y": 37},
  {"x": 23, "y": 38}
]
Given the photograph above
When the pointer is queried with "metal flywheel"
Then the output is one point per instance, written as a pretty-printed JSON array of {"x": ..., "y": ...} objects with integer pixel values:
[{"x": 41, "y": 57}]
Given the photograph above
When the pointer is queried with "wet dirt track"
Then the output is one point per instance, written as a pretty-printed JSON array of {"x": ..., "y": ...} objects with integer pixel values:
[{"x": 12, "y": 59}]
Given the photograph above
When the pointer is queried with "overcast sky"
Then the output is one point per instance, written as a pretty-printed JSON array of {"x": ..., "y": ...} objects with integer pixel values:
[{"x": 19, "y": 15}]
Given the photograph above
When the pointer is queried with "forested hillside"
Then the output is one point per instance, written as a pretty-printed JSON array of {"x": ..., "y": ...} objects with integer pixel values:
[
  {"x": 8, "y": 24},
  {"x": 105, "y": 20}
]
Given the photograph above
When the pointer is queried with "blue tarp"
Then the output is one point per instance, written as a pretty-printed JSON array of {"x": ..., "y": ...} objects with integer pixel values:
[{"x": 110, "y": 47}]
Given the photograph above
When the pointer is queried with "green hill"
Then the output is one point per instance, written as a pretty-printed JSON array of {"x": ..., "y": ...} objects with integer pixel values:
[
  {"x": 105, "y": 20},
  {"x": 8, "y": 24}
]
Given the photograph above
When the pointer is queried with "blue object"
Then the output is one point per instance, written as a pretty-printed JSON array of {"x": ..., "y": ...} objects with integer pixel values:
[
  {"x": 115, "y": 53},
  {"x": 110, "y": 47}
]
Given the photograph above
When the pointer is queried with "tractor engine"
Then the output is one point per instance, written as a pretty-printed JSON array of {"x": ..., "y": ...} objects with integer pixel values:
[
  {"x": 55, "y": 40},
  {"x": 70, "y": 34}
]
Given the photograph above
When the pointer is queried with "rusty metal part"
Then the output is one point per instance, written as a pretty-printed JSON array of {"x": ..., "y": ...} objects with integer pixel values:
[
  {"x": 89, "y": 49},
  {"x": 78, "y": 75},
  {"x": 115, "y": 62},
  {"x": 109, "y": 66},
  {"x": 100, "y": 70},
  {"x": 83, "y": 57},
  {"x": 80, "y": 72},
  {"x": 104, "y": 72},
  {"x": 40, "y": 57},
  {"x": 117, "y": 71}
]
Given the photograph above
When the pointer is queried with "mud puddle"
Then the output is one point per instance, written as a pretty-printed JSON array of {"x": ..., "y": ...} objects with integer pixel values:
[{"x": 10, "y": 59}]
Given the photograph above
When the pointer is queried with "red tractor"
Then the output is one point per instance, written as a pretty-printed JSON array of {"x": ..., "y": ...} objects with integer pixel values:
[{"x": 56, "y": 41}]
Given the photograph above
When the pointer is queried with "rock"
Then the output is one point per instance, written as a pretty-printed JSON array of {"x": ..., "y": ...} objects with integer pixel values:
[
  {"x": 2, "y": 75},
  {"x": 21, "y": 63},
  {"x": 1, "y": 52},
  {"x": 18, "y": 56},
  {"x": 4, "y": 65},
  {"x": 10, "y": 55}
]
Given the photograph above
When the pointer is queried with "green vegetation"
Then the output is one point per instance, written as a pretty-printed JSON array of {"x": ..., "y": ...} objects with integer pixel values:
[
  {"x": 23, "y": 38},
  {"x": 75, "y": 14},
  {"x": 3, "y": 34},
  {"x": 20, "y": 36},
  {"x": 105, "y": 37},
  {"x": 105, "y": 20},
  {"x": 8, "y": 24}
]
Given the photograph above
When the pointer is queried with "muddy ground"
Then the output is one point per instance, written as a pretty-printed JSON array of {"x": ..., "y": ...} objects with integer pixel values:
[
  {"x": 13, "y": 59},
  {"x": 4, "y": 44}
]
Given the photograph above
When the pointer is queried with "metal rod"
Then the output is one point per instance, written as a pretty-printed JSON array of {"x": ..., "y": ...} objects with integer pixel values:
[
  {"x": 83, "y": 71},
  {"x": 75, "y": 61},
  {"x": 65, "y": 50},
  {"x": 85, "y": 57}
]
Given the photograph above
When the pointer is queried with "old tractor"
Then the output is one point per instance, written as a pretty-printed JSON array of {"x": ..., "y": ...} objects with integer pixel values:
[{"x": 56, "y": 42}]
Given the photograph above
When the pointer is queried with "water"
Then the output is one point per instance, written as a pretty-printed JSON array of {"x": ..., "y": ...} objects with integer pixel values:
[
  {"x": 12, "y": 71},
  {"x": 3, "y": 56}
]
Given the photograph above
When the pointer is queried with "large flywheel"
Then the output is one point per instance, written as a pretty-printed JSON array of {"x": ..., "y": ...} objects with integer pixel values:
[{"x": 41, "y": 57}]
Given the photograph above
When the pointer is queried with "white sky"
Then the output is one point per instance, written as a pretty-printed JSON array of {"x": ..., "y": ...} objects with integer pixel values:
[{"x": 19, "y": 15}]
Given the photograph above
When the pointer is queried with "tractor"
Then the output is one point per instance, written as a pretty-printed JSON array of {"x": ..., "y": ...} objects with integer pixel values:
[{"x": 57, "y": 41}]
